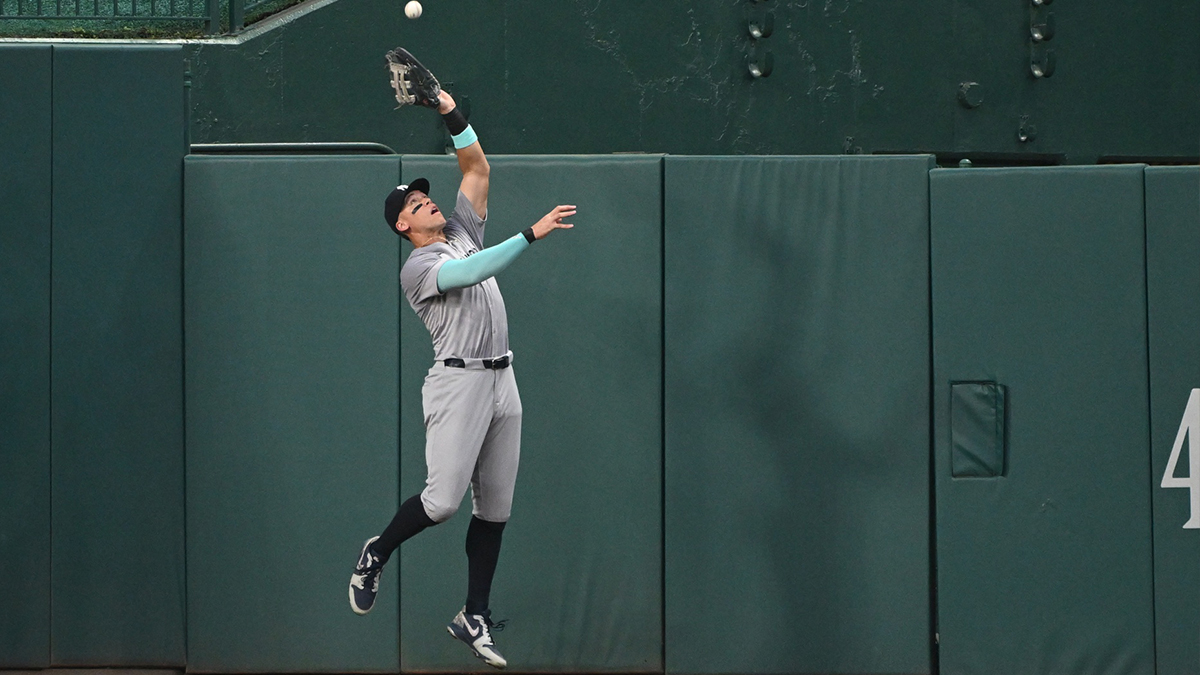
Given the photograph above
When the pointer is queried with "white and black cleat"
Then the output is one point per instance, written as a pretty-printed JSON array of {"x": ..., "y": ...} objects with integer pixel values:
[
  {"x": 364, "y": 583},
  {"x": 474, "y": 630}
]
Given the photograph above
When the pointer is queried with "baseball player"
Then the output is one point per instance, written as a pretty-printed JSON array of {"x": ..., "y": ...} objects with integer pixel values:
[{"x": 470, "y": 399}]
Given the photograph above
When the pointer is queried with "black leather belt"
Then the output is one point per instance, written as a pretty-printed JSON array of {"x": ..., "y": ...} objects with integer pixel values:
[{"x": 492, "y": 364}]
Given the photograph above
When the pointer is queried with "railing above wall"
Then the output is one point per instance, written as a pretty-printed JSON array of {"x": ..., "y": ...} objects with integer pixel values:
[
  {"x": 207, "y": 12},
  {"x": 88, "y": 17},
  {"x": 238, "y": 9}
]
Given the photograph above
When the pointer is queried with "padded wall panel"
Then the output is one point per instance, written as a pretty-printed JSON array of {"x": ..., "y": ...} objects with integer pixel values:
[
  {"x": 797, "y": 420},
  {"x": 580, "y": 573},
  {"x": 1173, "y": 284},
  {"x": 117, "y": 379},
  {"x": 292, "y": 348},
  {"x": 1039, "y": 285},
  {"x": 25, "y": 364}
]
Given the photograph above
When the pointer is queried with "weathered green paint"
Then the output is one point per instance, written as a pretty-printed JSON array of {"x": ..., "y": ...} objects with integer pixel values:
[{"x": 581, "y": 76}]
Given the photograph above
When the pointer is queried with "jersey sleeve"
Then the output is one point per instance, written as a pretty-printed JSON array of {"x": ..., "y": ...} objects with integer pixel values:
[
  {"x": 483, "y": 265},
  {"x": 465, "y": 219},
  {"x": 419, "y": 275}
]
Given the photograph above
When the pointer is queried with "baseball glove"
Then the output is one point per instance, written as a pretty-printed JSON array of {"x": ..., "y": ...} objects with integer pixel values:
[{"x": 413, "y": 82}]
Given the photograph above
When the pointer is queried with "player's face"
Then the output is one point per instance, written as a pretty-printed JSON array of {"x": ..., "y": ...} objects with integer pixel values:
[{"x": 420, "y": 214}]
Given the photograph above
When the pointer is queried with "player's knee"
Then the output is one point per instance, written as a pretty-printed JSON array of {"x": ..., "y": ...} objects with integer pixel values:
[
  {"x": 497, "y": 517},
  {"x": 440, "y": 513}
]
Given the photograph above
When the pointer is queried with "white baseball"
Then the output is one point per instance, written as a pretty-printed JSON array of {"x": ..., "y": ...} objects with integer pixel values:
[{"x": 413, "y": 9}]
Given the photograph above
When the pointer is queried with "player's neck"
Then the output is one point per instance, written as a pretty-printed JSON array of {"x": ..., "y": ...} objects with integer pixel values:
[{"x": 419, "y": 241}]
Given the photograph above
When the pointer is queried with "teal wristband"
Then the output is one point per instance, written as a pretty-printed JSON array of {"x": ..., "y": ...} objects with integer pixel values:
[{"x": 467, "y": 137}]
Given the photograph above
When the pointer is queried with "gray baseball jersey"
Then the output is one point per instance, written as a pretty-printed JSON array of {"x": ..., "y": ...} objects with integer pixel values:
[
  {"x": 465, "y": 323},
  {"x": 472, "y": 414}
]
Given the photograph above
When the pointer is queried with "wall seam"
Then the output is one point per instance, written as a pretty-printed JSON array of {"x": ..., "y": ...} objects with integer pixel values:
[
  {"x": 50, "y": 377},
  {"x": 934, "y": 629},
  {"x": 183, "y": 342},
  {"x": 662, "y": 398},
  {"x": 1149, "y": 425}
]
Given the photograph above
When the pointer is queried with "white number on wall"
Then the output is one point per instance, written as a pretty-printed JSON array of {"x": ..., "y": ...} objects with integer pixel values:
[{"x": 1189, "y": 426}]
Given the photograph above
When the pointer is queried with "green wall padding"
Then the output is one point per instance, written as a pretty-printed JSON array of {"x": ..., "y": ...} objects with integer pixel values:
[
  {"x": 25, "y": 364},
  {"x": 1038, "y": 284},
  {"x": 580, "y": 573},
  {"x": 797, "y": 419},
  {"x": 1173, "y": 280},
  {"x": 117, "y": 579},
  {"x": 292, "y": 370}
]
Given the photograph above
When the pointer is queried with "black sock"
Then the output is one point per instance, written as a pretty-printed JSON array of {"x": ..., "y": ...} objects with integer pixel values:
[
  {"x": 409, "y": 520},
  {"x": 483, "y": 550}
]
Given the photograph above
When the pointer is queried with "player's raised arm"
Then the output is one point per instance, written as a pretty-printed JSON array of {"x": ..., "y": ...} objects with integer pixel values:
[
  {"x": 471, "y": 160},
  {"x": 415, "y": 85}
]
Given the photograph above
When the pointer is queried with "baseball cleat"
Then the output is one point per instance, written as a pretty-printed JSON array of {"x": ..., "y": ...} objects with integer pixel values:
[
  {"x": 474, "y": 630},
  {"x": 364, "y": 583}
]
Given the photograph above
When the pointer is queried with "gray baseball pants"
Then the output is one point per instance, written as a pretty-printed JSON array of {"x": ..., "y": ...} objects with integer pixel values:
[{"x": 472, "y": 437}]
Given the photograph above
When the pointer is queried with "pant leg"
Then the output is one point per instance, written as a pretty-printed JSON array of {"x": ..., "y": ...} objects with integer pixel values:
[
  {"x": 495, "y": 474},
  {"x": 458, "y": 408}
]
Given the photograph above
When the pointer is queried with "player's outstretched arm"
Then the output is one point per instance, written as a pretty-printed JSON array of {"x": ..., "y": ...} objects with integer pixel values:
[
  {"x": 471, "y": 160},
  {"x": 492, "y": 260}
]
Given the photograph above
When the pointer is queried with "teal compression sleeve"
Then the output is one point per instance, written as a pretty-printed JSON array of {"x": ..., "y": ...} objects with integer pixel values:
[{"x": 483, "y": 265}]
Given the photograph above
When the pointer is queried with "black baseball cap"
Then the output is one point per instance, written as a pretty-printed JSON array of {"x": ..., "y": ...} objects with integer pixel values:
[{"x": 395, "y": 201}]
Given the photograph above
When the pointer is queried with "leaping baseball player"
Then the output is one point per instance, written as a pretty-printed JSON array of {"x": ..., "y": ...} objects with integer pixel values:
[{"x": 470, "y": 400}]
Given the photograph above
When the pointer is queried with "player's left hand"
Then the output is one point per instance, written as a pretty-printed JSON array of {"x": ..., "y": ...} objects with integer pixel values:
[
  {"x": 445, "y": 102},
  {"x": 413, "y": 83}
]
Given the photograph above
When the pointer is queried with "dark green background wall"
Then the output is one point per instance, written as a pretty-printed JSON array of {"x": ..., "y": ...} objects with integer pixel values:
[
  {"x": 93, "y": 435},
  {"x": 727, "y": 385},
  {"x": 25, "y": 179},
  {"x": 851, "y": 76},
  {"x": 116, "y": 359}
]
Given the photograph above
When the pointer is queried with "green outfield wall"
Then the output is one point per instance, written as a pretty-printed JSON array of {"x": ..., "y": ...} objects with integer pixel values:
[
  {"x": 1039, "y": 287},
  {"x": 117, "y": 584},
  {"x": 783, "y": 414},
  {"x": 292, "y": 347},
  {"x": 1172, "y": 280},
  {"x": 93, "y": 513},
  {"x": 797, "y": 414}
]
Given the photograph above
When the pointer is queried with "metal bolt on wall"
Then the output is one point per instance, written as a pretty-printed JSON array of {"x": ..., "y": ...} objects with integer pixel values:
[
  {"x": 1041, "y": 31},
  {"x": 759, "y": 26}
]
